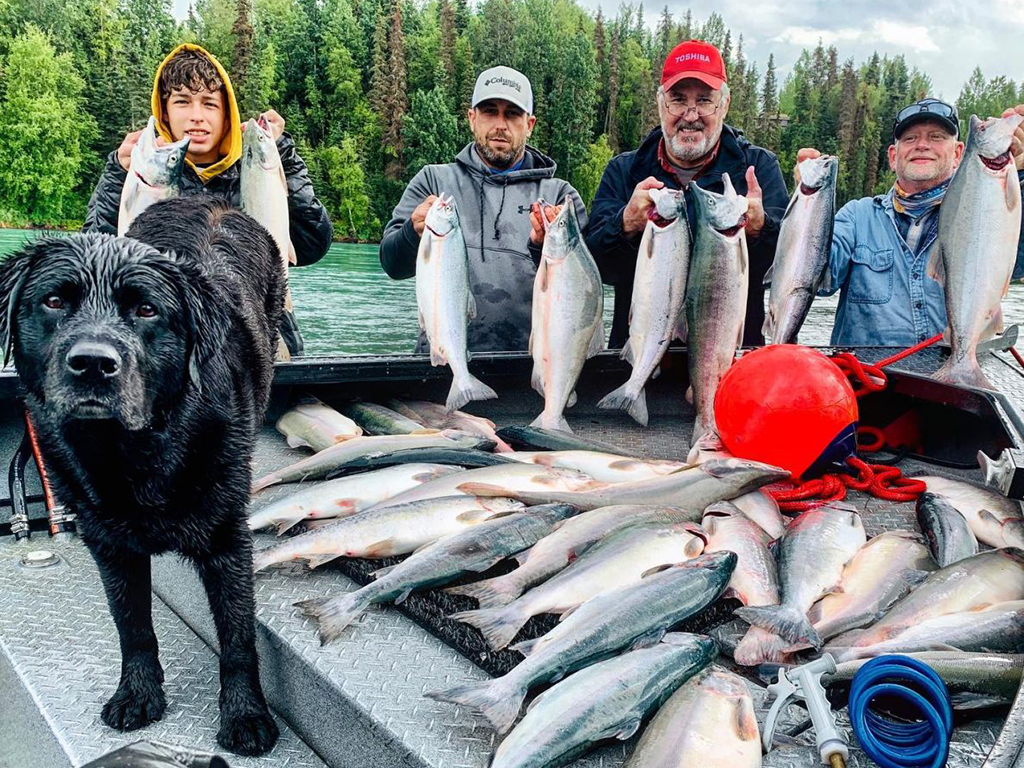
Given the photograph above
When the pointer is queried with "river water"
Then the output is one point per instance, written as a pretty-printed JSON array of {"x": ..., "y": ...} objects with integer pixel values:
[{"x": 347, "y": 305}]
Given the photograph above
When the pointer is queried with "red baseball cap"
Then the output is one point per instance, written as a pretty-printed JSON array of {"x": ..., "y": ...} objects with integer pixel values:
[{"x": 697, "y": 59}]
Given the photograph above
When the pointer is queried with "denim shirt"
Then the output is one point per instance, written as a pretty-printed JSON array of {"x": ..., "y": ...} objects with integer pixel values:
[{"x": 886, "y": 299}]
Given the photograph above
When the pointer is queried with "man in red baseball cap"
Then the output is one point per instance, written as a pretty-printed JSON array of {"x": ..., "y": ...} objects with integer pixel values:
[{"x": 692, "y": 145}]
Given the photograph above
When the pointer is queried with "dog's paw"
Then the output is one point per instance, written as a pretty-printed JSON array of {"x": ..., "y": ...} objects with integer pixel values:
[
  {"x": 134, "y": 707},
  {"x": 248, "y": 733}
]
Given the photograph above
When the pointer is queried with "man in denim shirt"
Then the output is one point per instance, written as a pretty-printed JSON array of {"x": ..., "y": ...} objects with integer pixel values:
[{"x": 881, "y": 245}]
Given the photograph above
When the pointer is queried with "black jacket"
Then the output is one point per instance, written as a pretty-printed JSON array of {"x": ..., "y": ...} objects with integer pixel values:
[
  {"x": 615, "y": 251},
  {"x": 309, "y": 225}
]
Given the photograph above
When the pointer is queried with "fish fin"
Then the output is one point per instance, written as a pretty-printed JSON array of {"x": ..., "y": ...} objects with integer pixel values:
[
  {"x": 499, "y": 626},
  {"x": 965, "y": 372},
  {"x": 572, "y": 399},
  {"x": 473, "y": 516},
  {"x": 994, "y": 327},
  {"x": 294, "y": 441},
  {"x": 647, "y": 639},
  {"x": 523, "y": 556},
  {"x": 334, "y": 614},
  {"x": 682, "y": 329},
  {"x": 739, "y": 340},
  {"x": 1013, "y": 532},
  {"x": 783, "y": 620},
  {"x": 284, "y": 526},
  {"x": 484, "y": 489},
  {"x": 470, "y": 307},
  {"x": 495, "y": 699},
  {"x": 597, "y": 340},
  {"x": 438, "y": 358},
  {"x": 403, "y": 597},
  {"x": 315, "y": 561},
  {"x": 292, "y": 258},
  {"x": 470, "y": 389},
  {"x": 529, "y": 344},
  {"x": 627, "y": 353},
  {"x": 526, "y": 647},
  {"x": 1012, "y": 198},
  {"x": 537, "y": 381},
  {"x": 622, "y": 731},
  {"x": 566, "y": 614},
  {"x": 383, "y": 548},
  {"x": 421, "y": 321},
  {"x": 936, "y": 269},
  {"x": 825, "y": 282},
  {"x": 768, "y": 329},
  {"x": 491, "y": 593},
  {"x": 688, "y": 396},
  {"x": 759, "y": 646},
  {"x": 559, "y": 423},
  {"x": 382, "y": 572},
  {"x": 620, "y": 400},
  {"x": 655, "y": 569},
  {"x": 769, "y": 274}
]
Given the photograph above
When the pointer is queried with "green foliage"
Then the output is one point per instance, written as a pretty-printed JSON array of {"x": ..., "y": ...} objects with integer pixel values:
[
  {"x": 44, "y": 132},
  {"x": 588, "y": 177},
  {"x": 432, "y": 134},
  {"x": 342, "y": 188}
]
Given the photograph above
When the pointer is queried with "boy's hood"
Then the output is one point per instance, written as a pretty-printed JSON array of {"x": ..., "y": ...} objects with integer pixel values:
[{"x": 231, "y": 144}]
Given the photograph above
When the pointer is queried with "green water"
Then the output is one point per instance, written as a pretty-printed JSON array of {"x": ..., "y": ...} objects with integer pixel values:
[{"x": 347, "y": 305}]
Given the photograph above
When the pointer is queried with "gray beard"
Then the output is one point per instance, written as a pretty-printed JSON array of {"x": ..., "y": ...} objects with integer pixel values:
[
  {"x": 688, "y": 151},
  {"x": 499, "y": 160}
]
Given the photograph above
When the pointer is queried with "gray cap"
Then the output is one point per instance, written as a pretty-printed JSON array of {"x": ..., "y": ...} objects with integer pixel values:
[{"x": 504, "y": 83}]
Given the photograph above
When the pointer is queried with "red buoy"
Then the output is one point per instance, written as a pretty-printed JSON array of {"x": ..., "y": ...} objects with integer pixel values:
[{"x": 790, "y": 406}]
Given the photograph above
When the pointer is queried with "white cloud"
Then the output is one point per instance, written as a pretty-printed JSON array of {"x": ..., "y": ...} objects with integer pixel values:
[
  {"x": 808, "y": 37},
  {"x": 898, "y": 34}
]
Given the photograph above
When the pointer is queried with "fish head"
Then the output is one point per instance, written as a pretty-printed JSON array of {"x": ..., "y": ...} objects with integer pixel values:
[
  {"x": 259, "y": 147},
  {"x": 743, "y": 475},
  {"x": 443, "y": 216},
  {"x": 158, "y": 167},
  {"x": 990, "y": 140},
  {"x": 818, "y": 173},
  {"x": 563, "y": 234},
  {"x": 726, "y": 213},
  {"x": 669, "y": 205}
]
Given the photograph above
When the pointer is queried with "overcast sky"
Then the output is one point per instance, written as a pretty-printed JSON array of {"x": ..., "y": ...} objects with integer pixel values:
[{"x": 943, "y": 38}]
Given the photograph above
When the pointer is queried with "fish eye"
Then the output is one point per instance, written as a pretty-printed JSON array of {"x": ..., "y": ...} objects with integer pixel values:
[
  {"x": 53, "y": 301},
  {"x": 145, "y": 310}
]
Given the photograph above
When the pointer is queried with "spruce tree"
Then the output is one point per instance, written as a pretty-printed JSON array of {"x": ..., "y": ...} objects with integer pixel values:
[{"x": 243, "y": 32}]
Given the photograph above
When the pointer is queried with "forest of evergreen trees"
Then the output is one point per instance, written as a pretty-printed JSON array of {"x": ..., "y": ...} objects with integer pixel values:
[{"x": 374, "y": 89}]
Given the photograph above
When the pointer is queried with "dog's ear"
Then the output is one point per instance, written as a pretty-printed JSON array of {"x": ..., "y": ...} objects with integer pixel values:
[
  {"x": 14, "y": 271},
  {"x": 204, "y": 316}
]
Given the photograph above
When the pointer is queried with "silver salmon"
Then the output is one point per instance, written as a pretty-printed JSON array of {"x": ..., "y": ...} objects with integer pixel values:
[
  {"x": 949, "y": 536},
  {"x": 445, "y": 300},
  {"x": 994, "y": 519},
  {"x": 716, "y": 296},
  {"x": 973, "y": 258},
  {"x": 313, "y": 424},
  {"x": 801, "y": 256},
  {"x": 568, "y": 323},
  {"x": 632, "y": 616},
  {"x": 154, "y": 174},
  {"x": 656, "y": 315},
  {"x": 606, "y": 700}
]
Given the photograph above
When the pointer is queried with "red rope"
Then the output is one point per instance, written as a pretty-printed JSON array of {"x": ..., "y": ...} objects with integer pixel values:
[{"x": 879, "y": 480}]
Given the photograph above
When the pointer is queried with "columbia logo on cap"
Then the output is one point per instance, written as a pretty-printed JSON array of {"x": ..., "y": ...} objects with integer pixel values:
[{"x": 504, "y": 81}]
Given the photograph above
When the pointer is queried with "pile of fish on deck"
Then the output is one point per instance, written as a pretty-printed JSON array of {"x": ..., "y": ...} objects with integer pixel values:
[{"x": 626, "y": 548}]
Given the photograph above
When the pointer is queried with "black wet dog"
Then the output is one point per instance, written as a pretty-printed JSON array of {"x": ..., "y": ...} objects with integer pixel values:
[{"x": 146, "y": 365}]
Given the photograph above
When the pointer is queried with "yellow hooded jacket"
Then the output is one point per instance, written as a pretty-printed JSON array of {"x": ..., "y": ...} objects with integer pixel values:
[{"x": 231, "y": 144}]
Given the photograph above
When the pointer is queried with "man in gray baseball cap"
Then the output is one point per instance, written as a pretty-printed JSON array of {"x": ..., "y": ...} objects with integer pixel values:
[{"x": 494, "y": 181}]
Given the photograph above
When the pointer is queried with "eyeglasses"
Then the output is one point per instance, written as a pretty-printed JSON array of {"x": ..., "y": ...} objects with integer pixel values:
[
  {"x": 704, "y": 107},
  {"x": 927, "y": 107}
]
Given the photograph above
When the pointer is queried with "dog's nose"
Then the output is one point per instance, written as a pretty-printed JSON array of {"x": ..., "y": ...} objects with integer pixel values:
[{"x": 94, "y": 358}]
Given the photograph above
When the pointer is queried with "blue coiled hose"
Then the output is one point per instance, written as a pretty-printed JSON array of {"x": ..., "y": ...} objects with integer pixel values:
[{"x": 891, "y": 744}]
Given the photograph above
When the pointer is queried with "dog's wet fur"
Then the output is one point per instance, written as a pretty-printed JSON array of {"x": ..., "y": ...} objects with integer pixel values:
[{"x": 146, "y": 365}]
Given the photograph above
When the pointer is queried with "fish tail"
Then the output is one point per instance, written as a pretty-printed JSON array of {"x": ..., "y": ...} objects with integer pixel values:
[
  {"x": 544, "y": 422},
  {"x": 491, "y": 593},
  {"x": 465, "y": 389},
  {"x": 963, "y": 372},
  {"x": 622, "y": 400},
  {"x": 759, "y": 646},
  {"x": 499, "y": 626},
  {"x": 265, "y": 558},
  {"x": 265, "y": 482},
  {"x": 782, "y": 620},
  {"x": 494, "y": 699},
  {"x": 334, "y": 614}
]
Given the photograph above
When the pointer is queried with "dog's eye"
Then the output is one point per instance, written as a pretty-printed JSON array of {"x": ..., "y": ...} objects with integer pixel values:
[
  {"x": 53, "y": 301},
  {"x": 145, "y": 309}
]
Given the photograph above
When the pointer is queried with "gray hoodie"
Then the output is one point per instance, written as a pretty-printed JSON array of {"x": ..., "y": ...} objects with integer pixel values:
[{"x": 494, "y": 210}]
